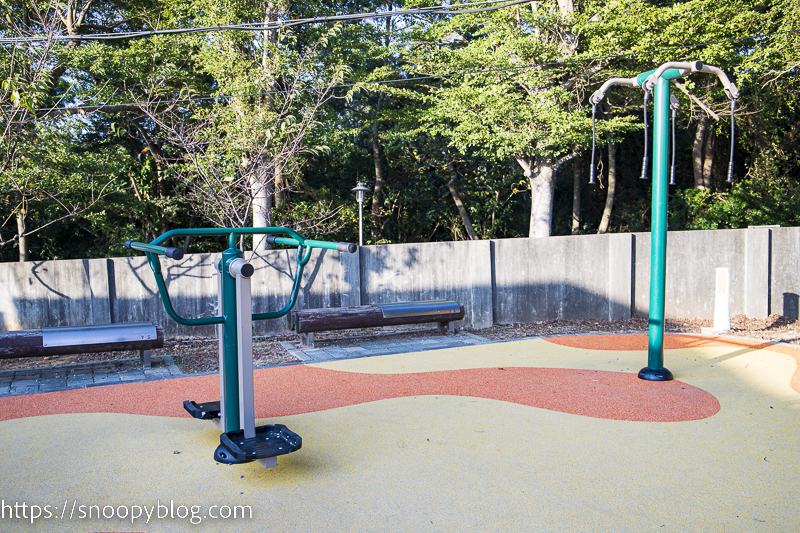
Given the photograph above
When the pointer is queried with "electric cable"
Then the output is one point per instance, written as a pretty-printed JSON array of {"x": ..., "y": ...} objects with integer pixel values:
[
  {"x": 672, "y": 166},
  {"x": 351, "y": 17},
  {"x": 109, "y": 107}
]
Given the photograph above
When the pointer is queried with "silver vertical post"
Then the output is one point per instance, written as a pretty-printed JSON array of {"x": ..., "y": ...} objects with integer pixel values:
[{"x": 242, "y": 270}]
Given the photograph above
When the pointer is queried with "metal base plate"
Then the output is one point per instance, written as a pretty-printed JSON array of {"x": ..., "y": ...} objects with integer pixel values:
[
  {"x": 270, "y": 441},
  {"x": 203, "y": 411}
]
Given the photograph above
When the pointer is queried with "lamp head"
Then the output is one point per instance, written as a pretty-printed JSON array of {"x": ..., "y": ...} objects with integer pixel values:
[{"x": 360, "y": 189}]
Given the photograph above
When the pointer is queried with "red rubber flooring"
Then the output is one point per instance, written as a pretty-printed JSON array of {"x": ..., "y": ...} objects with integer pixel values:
[
  {"x": 676, "y": 342},
  {"x": 302, "y": 389}
]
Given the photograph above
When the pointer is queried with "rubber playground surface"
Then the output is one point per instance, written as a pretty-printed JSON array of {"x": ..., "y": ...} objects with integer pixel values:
[{"x": 554, "y": 434}]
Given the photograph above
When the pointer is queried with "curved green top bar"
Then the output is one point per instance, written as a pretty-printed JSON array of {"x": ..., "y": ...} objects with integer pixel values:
[{"x": 231, "y": 232}]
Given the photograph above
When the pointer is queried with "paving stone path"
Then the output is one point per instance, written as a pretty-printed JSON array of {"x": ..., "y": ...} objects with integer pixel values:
[
  {"x": 35, "y": 380},
  {"x": 355, "y": 347}
]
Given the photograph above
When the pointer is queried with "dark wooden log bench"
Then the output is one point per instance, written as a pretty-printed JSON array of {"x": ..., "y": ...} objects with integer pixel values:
[
  {"x": 306, "y": 322},
  {"x": 141, "y": 336}
]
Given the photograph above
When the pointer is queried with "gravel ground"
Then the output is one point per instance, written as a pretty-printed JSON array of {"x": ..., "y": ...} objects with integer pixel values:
[
  {"x": 201, "y": 355},
  {"x": 776, "y": 328}
]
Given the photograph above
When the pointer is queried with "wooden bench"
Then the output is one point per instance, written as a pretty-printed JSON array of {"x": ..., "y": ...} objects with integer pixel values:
[
  {"x": 141, "y": 336},
  {"x": 306, "y": 322}
]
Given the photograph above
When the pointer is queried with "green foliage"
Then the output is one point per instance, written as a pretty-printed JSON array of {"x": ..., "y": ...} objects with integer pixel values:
[
  {"x": 748, "y": 203},
  {"x": 192, "y": 163}
]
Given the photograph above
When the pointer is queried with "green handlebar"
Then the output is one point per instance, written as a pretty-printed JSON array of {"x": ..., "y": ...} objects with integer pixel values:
[
  {"x": 341, "y": 246},
  {"x": 292, "y": 238}
]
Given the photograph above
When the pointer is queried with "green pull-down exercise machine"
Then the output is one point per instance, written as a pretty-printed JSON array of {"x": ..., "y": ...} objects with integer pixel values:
[{"x": 658, "y": 82}]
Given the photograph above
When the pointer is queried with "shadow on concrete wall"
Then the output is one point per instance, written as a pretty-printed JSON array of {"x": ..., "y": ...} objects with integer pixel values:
[{"x": 517, "y": 304}]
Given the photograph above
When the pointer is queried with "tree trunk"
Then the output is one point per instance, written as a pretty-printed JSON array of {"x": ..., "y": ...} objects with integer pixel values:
[
  {"x": 612, "y": 183},
  {"x": 697, "y": 152},
  {"x": 451, "y": 184},
  {"x": 261, "y": 189},
  {"x": 541, "y": 173},
  {"x": 280, "y": 187},
  {"x": 708, "y": 158},
  {"x": 23, "y": 239},
  {"x": 577, "y": 187},
  {"x": 375, "y": 212},
  {"x": 566, "y": 6}
]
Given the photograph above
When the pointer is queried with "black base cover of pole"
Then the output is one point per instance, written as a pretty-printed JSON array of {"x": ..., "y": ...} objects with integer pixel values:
[{"x": 649, "y": 374}]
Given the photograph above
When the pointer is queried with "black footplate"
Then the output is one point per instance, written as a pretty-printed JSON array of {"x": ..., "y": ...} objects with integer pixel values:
[
  {"x": 270, "y": 441},
  {"x": 203, "y": 411}
]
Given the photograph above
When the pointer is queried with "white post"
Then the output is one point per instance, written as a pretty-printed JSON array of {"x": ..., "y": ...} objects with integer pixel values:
[{"x": 722, "y": 301}]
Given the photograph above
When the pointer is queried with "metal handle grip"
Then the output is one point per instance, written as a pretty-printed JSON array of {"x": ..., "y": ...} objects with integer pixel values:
[
  {"x": 348, "y": 247},
  {"x": 172, "y": 253}
]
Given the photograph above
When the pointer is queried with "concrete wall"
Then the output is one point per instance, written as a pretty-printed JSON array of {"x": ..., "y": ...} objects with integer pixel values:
[
  {"x": 562, "y": 278},
  {"x": 54, "y": 293},
  {"x": 459, "y": 271},
  {"x": 784, "y": 265},
  {"x": 502, "y": 281}
]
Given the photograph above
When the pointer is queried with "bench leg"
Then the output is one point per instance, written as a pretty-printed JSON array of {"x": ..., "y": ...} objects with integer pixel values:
[
  {"x": 144, "y": 357},
  {"x": 447, "y": 328},
  {"x": 307, "y": 340}
]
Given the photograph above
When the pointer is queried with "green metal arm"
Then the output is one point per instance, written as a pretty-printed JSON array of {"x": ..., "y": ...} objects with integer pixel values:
[
  {"x": 162, "y": 291},
  {"x": 302, "y": 261},
  {"x": 154, "y": 249},
  {"x": 341, "y": 246}
]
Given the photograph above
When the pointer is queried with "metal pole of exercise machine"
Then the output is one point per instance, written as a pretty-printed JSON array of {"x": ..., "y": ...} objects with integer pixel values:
[
  {"x": 229, "y": 340},
  {"x": 655, "y": 371}
]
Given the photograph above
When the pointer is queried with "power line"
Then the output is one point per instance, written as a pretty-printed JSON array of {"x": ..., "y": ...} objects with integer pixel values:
[
  {"x": 433, "y": 10},
  {"x": 111, "y": 107}
]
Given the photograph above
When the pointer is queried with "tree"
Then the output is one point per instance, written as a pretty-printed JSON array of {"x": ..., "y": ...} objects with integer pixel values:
[
  {"x": 45, "y": 177},
  {"x": 521, "y": 101},
  {"x": 234, "y": 156}
]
